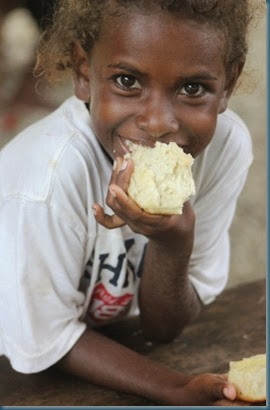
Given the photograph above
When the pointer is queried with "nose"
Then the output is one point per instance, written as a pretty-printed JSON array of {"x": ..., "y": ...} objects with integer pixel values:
[{"x": 157, "y": 117}]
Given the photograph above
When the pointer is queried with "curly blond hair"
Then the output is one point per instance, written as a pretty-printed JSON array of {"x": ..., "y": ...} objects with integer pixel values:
[{"x": 81, "y": 21}]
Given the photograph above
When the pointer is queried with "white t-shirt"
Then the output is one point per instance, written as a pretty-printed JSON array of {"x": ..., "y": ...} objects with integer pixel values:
[{"x": 59, "y": 269}]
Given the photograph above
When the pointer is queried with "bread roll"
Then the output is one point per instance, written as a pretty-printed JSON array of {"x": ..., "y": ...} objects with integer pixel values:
[
  {"x": 249, "y": 378},
  {"x": 162, "y": 179}
]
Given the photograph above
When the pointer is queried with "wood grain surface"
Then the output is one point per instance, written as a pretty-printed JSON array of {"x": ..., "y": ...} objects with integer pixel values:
[{"x": 232, "y": 327}]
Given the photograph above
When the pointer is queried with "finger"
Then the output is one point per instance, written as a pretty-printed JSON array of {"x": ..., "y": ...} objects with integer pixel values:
[
  {"x": 121, "y": 199},
  {"x": 108, "y": 221},
  {"x": 121, "y": 203},
  {"x": 222, "y": 389},
  {"x": 229, "y": 392},
  {"x": 124, "y": 174},
  {"x": 116, "y": 168},
  {"x": 134, "y": 216},
  {"x": 122, "y": 171}
]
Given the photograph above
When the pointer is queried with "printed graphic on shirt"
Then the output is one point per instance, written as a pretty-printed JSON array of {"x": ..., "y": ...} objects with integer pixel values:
[
  {"x": 104, "y": 306},
  {"x": 115, "y": 286}
]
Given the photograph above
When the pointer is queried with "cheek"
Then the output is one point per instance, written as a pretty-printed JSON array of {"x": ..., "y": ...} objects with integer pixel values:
[
  {"x": 106, "y": 113},
  {"x": 102, "y": 119},
  {"x": 106, "y": 119},
  {"x": 203, "y": 129}
]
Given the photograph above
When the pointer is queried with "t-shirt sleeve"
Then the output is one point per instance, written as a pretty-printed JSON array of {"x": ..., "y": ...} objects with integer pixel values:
[
  {"x": 40, "y": 300},
  {"x": 221, "y": 174}
]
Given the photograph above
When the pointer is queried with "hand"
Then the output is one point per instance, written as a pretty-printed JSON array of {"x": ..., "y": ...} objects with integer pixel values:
[
  {"x": 212, "y": 390},
  {"x": 206, "y": 390},
  {"x": 128, "y": 212}
]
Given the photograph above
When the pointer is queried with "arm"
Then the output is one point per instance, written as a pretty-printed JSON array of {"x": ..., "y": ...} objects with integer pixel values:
[
  {"x": 106, "y": 363},
  {"x": 167, "y": 299}
]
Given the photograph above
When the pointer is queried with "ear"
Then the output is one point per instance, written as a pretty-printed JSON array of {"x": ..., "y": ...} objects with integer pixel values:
[
  {"x": 230, "y": 86},
  {"x": 81, "y": 73}
]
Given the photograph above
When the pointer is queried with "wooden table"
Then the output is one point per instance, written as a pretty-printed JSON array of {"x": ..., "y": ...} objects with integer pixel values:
[{"x": 233, "y": 327}]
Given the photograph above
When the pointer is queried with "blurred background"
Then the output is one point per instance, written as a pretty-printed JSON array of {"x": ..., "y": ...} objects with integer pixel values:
[{"x": 21, "y": 23}]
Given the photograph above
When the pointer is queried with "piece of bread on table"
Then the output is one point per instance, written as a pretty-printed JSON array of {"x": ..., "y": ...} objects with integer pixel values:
[
  {"x": 249, "y": 378},
  {"x": 162, "y": 179}
]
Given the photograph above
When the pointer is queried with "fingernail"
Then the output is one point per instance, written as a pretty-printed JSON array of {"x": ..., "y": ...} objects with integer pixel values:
[
  {"x": 112, "y": 192},
  {"x": 114, "y": 164},
  {"x": 124, "y": 165},
  {"x": 229, "y": 392},
  {"x": 94, "y": 210}
]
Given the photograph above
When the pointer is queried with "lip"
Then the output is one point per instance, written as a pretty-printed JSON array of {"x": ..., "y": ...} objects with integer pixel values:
[
  {"x": 123, "y": 143},
  {"x": 120, "y": 146}
]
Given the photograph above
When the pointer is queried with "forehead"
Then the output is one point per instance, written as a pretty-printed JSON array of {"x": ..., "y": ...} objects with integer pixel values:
[{"x": 160, "y": 37}]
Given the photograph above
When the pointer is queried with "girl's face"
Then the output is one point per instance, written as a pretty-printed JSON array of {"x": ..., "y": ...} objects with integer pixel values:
[{"x": 155, "y": 78}]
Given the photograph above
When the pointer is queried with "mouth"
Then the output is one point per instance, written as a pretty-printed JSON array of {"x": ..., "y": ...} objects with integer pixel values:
[
  {"x": 120, "y": 146},
  {"x": 123, "y": 145}
]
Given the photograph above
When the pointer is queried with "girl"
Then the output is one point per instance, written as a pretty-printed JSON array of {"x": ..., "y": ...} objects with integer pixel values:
[{"x": 76, "y": 251}]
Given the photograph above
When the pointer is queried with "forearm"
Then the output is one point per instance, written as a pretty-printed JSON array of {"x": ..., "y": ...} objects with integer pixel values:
[
  {"x": 103, "y": 362},
  {"x": 168, "y": 301},
  {"x": 106, "y": 363}
]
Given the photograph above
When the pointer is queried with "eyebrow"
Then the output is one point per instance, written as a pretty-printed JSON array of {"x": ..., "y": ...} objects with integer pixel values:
[
  {"x": 199, "y": 76},
  {"x": 126, "y": 67},
  {"x": 195, "y": 77}
]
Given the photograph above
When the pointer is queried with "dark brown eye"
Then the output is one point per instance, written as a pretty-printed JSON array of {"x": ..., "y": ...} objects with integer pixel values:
[
  {"x": 193, "y": 89},
  {"x": 127, "y": 81}
]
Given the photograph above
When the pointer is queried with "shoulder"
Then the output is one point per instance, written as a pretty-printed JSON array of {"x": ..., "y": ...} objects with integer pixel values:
[
  {"x": 232, "y": 130},
  {"x": 227, "y": 158},
  {"x": 231, "y": 139},
  {"x": 30, "y": 162},
  {"x": 228, "y": 155}
]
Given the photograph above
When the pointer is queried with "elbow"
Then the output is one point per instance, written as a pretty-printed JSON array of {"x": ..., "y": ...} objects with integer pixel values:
[
  {"x": 169, "y": 330},
  {"x": 162, "y": 334},
  {"x": 170, "y": 336}
]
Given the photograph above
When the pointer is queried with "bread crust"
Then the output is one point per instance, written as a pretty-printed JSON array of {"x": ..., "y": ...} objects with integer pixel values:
[{"x": 249, "y": 378}]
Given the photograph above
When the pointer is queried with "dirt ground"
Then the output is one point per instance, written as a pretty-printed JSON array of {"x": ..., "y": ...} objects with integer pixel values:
[{"x": 248, "y": 231}]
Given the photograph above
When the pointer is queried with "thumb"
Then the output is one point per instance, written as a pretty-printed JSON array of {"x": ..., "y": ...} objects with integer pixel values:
[{"x": 229, "y": 392}]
